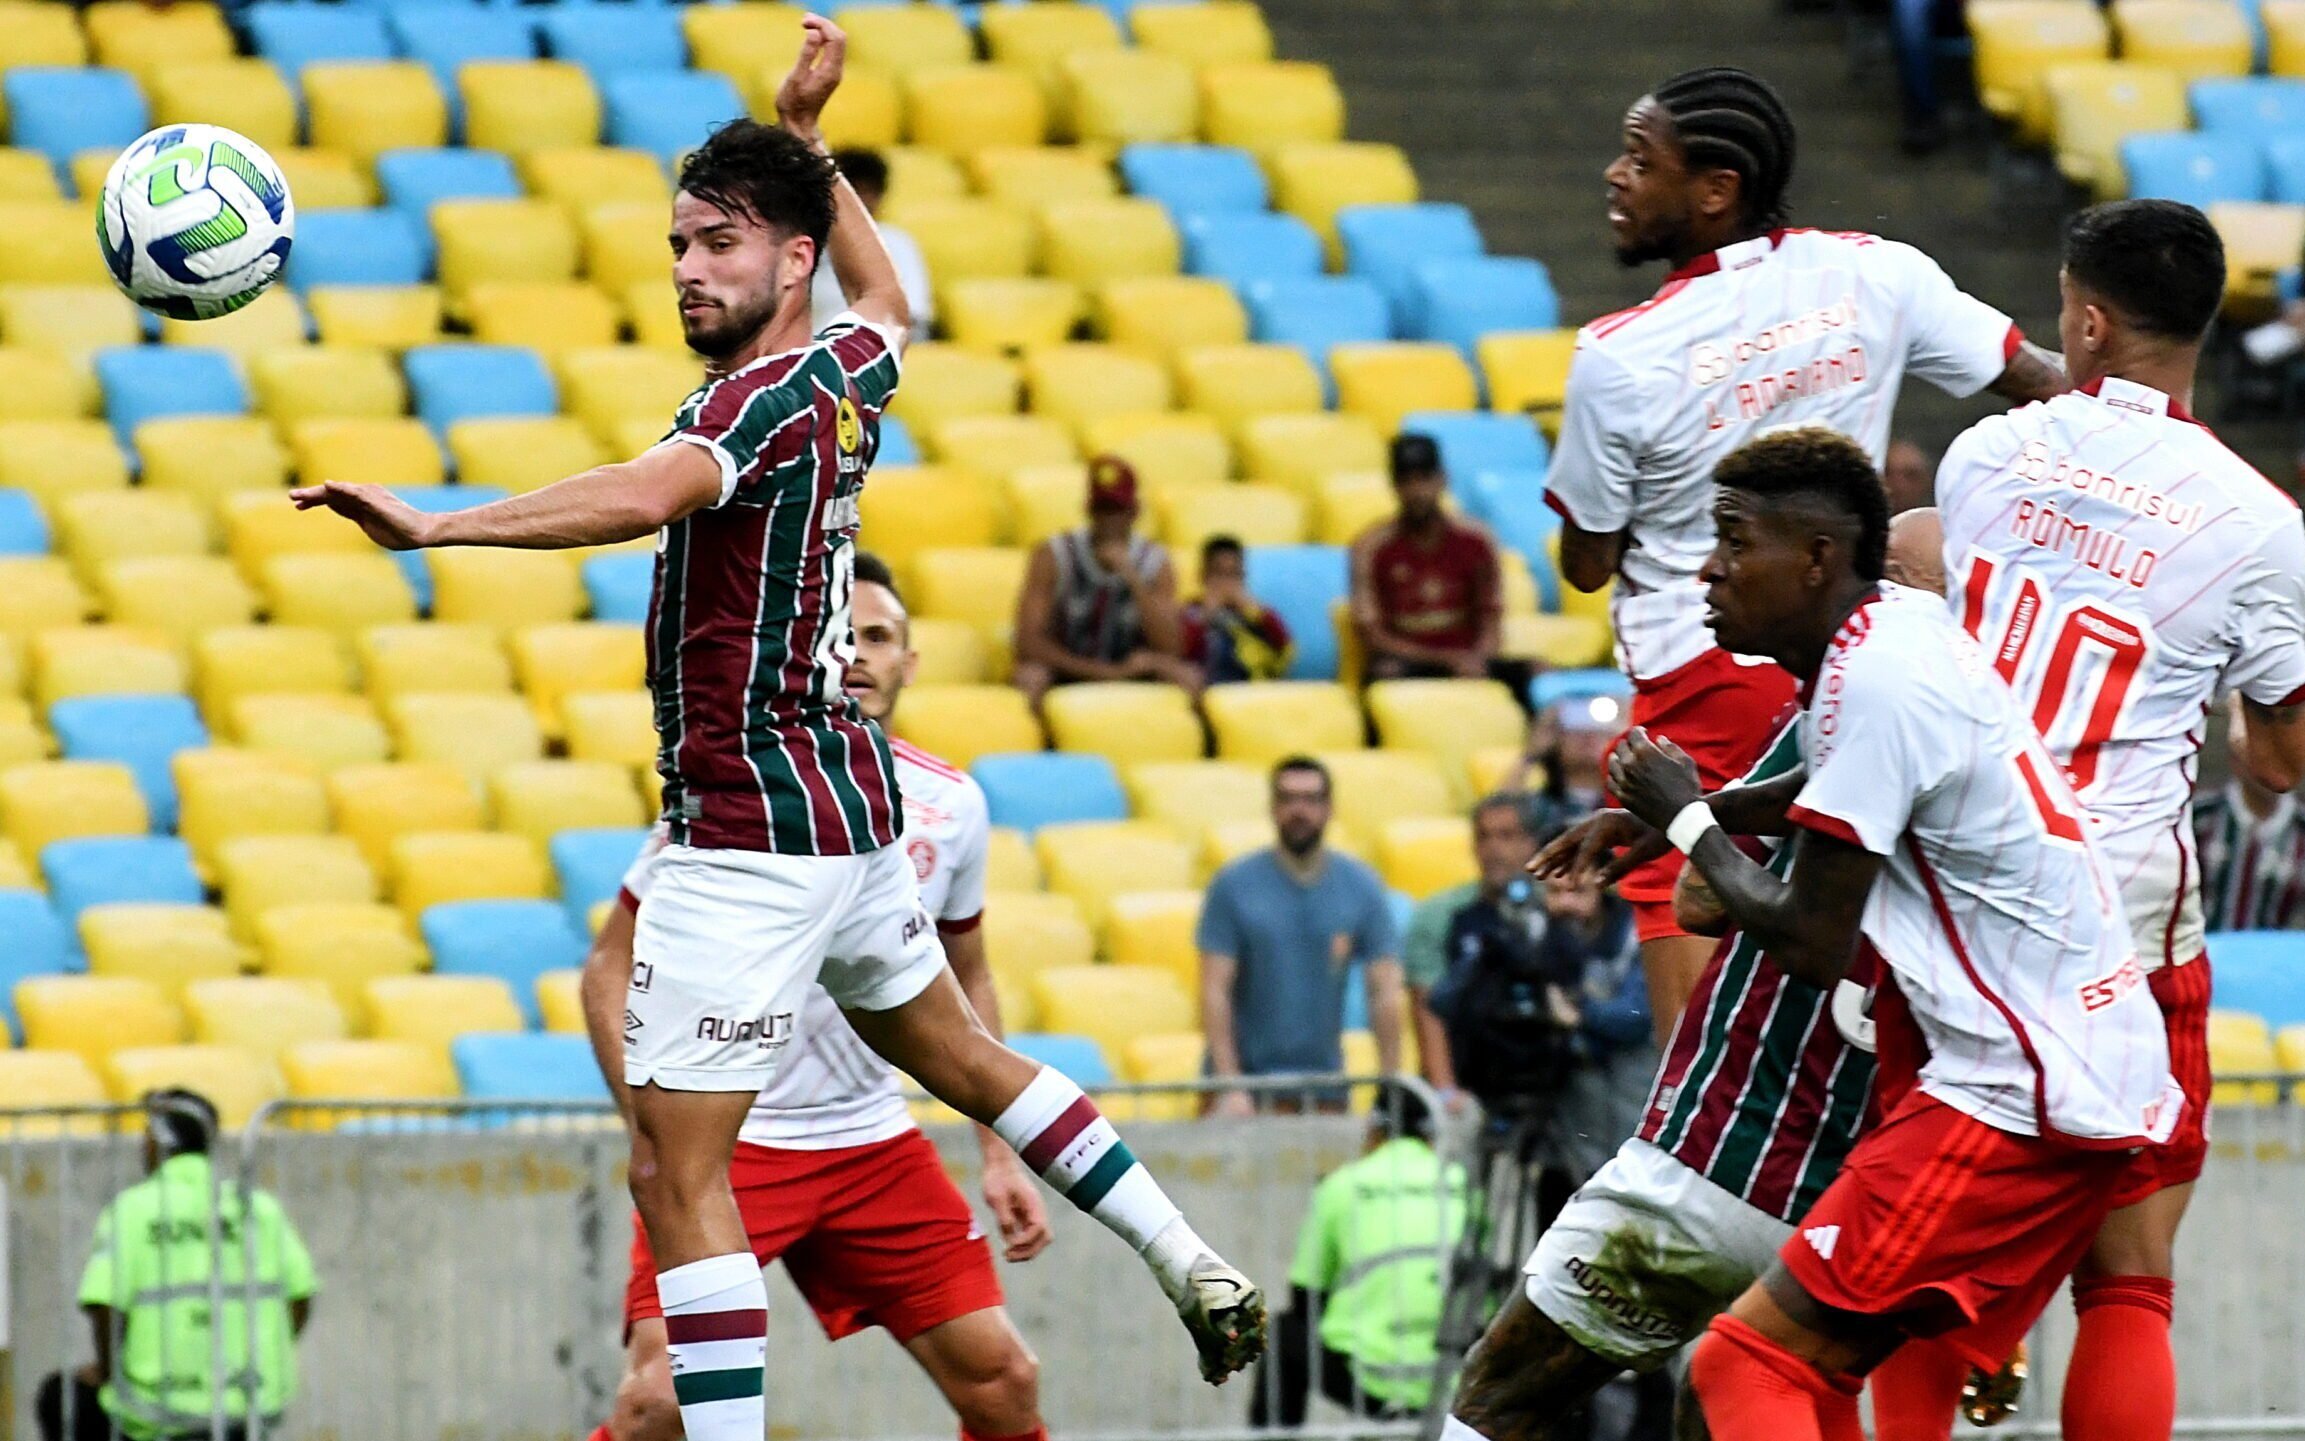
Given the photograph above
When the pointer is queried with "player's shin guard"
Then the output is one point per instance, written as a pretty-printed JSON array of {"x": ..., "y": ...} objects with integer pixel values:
[
  {"x": 1064, "y": 1138},
  {"x": 2122, "y": 1384},
  {"x": 1752, "y": 1389},
  {"x": 1917, "y": 1391},
  {"x": 716, "y": 1331}
]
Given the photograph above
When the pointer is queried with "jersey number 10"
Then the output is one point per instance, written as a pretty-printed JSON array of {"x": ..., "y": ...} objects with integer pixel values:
[{"x": 2002, "y": 605}]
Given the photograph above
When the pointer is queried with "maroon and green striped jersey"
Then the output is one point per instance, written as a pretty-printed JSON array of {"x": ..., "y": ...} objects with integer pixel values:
[
  {"x": 1759, "y": 1093},
  {"x": 748, "y": 632}
]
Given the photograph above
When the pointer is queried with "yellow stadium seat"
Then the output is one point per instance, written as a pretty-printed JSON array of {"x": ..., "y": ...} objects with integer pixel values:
[
  {"x": 2015, "y": 41},
  {"x": 505, "y": 588},
  {"x": 22, "y": 742},
  {"x": 1026, "y": 931},
  {"x": 554, "y": 661},
  {"x": 539, "y": 799},
  {"x": 484, "y": 240},
  {"x": 365, "y": 108},
  {"x": 238, "y": 1082},
  {"x": 623, "y": 245},
  {"x": 1349, "y": 502},
  {"x": 390, "y": 317},
  {"x": 521, "y": 453},
  {"x": 1253, "y": 514},
  {"x": 1128, "y": 97},
  {"x": 243, "y": 94},
  {"x": 340, "y": 593},
  {"x": 1091, "y": 242},
  {"x": 50, "y": 459},
  {"x": 63, "y": 800},
  {"x": 1445, "y": 718},
  {"x": 1564, "y": 641},
  {"x": 908, "y": 508},
  {"x": 653, "y": 310},
  {"x": 975, "y": 584},
  {"x": 1420, "y": 855},
  {"x": 2241, "y": 1043},
  {"x": 48, "y": 244},
  {"x": 366, "y": 450},
  {"x": 969, "y": 238},
  {"x": 518, "y": 106},
  {"x": 257, "y": 873},
  {"x": 167, "y": 945},
  {"x": 1039, "y": 39},
  {"x": 1009, "y": 314},
  {"x": 1218, "y": 32},
  {"x": 98, "y": 526},
  {"x": 33, "y": 386},
  {"x": 238, "y": 661},
  {"x": 1517, "y": 584},
  {"x": 434, "y": 1010},
  {"x": 432, "y": 867},
  {"x": 993, "y": 445},
  {"x": 324, "y": 179},
  {"x": 1261, "y": 107},
  {"x": 1491, "y": 769},
  {"x": 376, "y": 804},
  {"x": 740, "y": 40},
  {"x": 615, "y": 726},
  {"x": 2197, "y": 44},
  {"x": 38, "y": 592},
  {"x": 209, "y": 456},
  {"x": 27, "y": 174},
  {"x": 431, "y": 657},
  {"x": 341, "y": 946},
  {"x": 1388, "y": 380},
  {"x": 2285, "y": 35},
  {"x": 543, "y": 315},
  {"x": 2289, "y": 1047},
  {"x": 2260, "y": 242},
  {"x": 92, "y": 1016},
  {"x": 1236, "y": 383},
  {"x": 1009, "y": 862},
  {"x": 1372, "y": 788},
  {"x": 178, "y": 596},
  {"x": 318, "y": 382},
  {"x": 1155, "y": 928},
  {"x": 951, "y": 653},
  {"x": 901, "y": 39},
  {"x": 560, "y": 1001},
  {"x": 1126, "y": 722},
  {"x": 1028, "y": 177},
  {"x": 1528, "y": 370},
  {"x": 477, "y": 733},
  {"x": 40, "y": 34},
  {"x": 1258, "y": 722},
  {"x": 139, "y": 39},
  {"x": 14, "y": 874},
  {"x": 1168, "y": 1056},
  {"x": 1313, "y": 182},
  {"x": 103, "y": 660},
  {"x": 866, "y": 113},
  {"x": 1170, "y": 450},
  {"x": 1045, "y": 500},
  {"x": 68, "y": 319},
  {"x": 605, "y": 384},
  {"x": 47, "y": 1080},
  {"x": 1112, "y": 1005},
  {"x": 2094, "y": 105},
  {"x": 944, "y": 381},
  {"x": 582, "y": 175},
  {"x": 365, "y": 1071},
  {"x": 1093, "y": 860},
  {"x": 223, "y": 795},
  {"x": 960, "y": 109},
  {"x": 1165, "y": 315},
  {"x": 328, "y": 731},
  {"x": 1079, "y": 383},
  {"x": 1190, "y": 796},
  {"x": 263, "y": 1015},
  {"x": 962, "y": 722}
]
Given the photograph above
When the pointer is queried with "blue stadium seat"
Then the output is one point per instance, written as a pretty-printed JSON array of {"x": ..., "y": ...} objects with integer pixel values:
[
  {"x": 1244, "y": 248},
  {"x": 611, "y": 39},
  {"x": 433, "y": 499},
  {"x": 294, "y": 36},
  {"x": 2197, "y": 167},
  {"x": 1194, "y": 180},
  {"x": 445, "y": 36},
  {"x": 526, "y": 1066},
  {"x": 413, "y": 181},
  {"x": 517, "y": 940},
  {"x": 458, "y": 382},
  {"x": 1511, "y": 503},
  {"x": 98, "y": 870},
  {"x": 1076, "y": 1058},
  {"x": 144, "y": 381},
  {"x": 2259, "y": 971},
  {"x": 1387, "y": 243},
  {"x": 33, "y": 942},
  {"x": 1302, "y": 582},
  {"x": 1313, "y": 313},
  {"x": 1476, "y": 440},
  {"x": 360, "y": 247},
  {"x": 2285, "y": 169},
  {"x": 1461, "y": 300},
  {"x": 1031, "y": 789},
  {"x": 618, "y": 586},
  {"x": 2262, "y": 106},
  {"x": 23, "y": 530},
  {"x": 1589, "y": 683},
  {"x": 591, "y": 866},
  {"x": 897, "y": 447},
  {"x": 142, "y": 732},
  {"x": 667, "y": 112},
  {"x": 60, "y": 112}
]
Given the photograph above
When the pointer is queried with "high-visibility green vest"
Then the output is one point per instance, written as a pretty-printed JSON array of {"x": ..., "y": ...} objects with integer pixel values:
[
  {"x": 202, "y": 1278},
  {"x": 1373, "y": 1244}
]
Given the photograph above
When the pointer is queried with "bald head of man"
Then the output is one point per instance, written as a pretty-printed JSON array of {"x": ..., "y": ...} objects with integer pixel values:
[{"x": 1916, "y": 550}]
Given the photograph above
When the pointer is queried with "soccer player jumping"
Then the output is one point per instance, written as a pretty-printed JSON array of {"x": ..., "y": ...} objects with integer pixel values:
[{"x": 782, "y": 868}]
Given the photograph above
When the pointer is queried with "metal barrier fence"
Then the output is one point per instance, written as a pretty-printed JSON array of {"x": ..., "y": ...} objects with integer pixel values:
[{"x": 472, "y": 1260}]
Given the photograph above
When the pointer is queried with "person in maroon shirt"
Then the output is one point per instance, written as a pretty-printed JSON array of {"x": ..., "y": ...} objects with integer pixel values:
[{"x": 1427, "y": 597}]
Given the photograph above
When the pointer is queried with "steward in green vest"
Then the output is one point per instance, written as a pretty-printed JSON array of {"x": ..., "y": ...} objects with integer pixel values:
[
  {"x": 1366, "y": 1287},
  {"x": 196, "y": 1290}
]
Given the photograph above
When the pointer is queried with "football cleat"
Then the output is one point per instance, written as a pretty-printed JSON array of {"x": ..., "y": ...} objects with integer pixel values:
[
  {"x": 1990, "y": 1400},
  {"x": 1225, "y": 1313}
]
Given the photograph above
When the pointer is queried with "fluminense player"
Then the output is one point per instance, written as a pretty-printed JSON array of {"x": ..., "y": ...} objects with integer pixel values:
[
  {"x": 2123, "y": 571},
  {"x": 783, "y": 866},
  {"x": 1758, "y": 325},
  {"x": 831, "y": 1174}
]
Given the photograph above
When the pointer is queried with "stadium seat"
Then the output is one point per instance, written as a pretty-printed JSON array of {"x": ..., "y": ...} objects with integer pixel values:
[
  {"x": 2198, "y": 168},
  {"x": 448, "y": 37},
  {"x": 1316, "y": 181},
  {"x": 263, "y": 1015},
  {"x": 167, "y": 945},
  {"x": 970, "y": 238},
  {"x": 2284, "y": 169},
  {"x": 1191, "y": 795},
  {"x": 76, "y": 320},
  {"x": 23, "y": 530},
  {"x": 2284, "y": 23},
  {"x": 477, "y": 733},
  {"x": 1039, "y": 39},
  {"x": 1121, "y": 97},
  {"x": 974, "y": 584},
  {"x": 1302, "y": 583},
  {"x": 48, "y": 244},
  {"x": 363, "y": 248},
  {"x": 271, "y": 320},
  {"x": 945, "y": 381},
  {"x": 92, "y": 1016},
  {"x": 615, "y": 726},
  {"x": 1165, "y": 314},
  {"x": 579, "y": 177},
  {"x": 317, "y": 382},
  {"x": 107, "y": 870},
  {"x": 102, "y": 661},
  {"x": 295, "y": 36},
  {"x": 238, "y": 1082},
  {"x": 1527, "y": 371},
  {"x": 1079, "y": 383},
  {"x": 897, "y": 39},
  {"x": 624, "y": 251},
  {"x": 1257, "y": 515},
  {"x": 2095, "y": 105},
  {"x": 554, "y": 661},
  {"x": 1243, "y": 248},
  {"x": 458, "y": 382},
  {"x": 1304, "y": 452},
  {"x": 510, "y": 941},
  {"x": 618, "y": 586},
  {"x": 527, "y": 1067},
  {"x": 606, "y": 384},
  {"x": 897, "y": 446},
  {"x": 48, "y": 1080},
  {"x": 1373, "y": 788},
  {"x": 1077, "y": 1058},
  {"x": 1445, "y": 718},
  {"x": 243, "y": 94},
  {"x": 1010, "y": 314},
  {"x": 740, "y": 41},
  {"x": 209, "y": 456},
  {"x": 146, "y": 382},
  {"x": 1154, "y": 927},
  {"x": 27, "y": 175},
  {"x": 1126, "y": 722},
  {"x": 908, "y": 509},
  {"x": 1026, "y": 931},
  {"x": 2014, "y": 42},
  {"x": 960, "y": 109},
  {"x": 1010, "y": 864},
  {"x": 2261, "y": 241},
  {"x": 2255, "y": 971},
  {"x": 36, "y": 34},
  {"x": 866, "y": 113},
  {"x": 414, "y": 180},
  {"x": 1091, "y": 861},
  {"x": 1218, "y": 32},
  {"x": 1459, "y": 301},
  {"x": 1044, "y": 501},
  {"x": 328, "y": 731},
  {"x": 1261, "y": 107},
  {"x": 259, "y": 873},
  {"x": 1472, "y": 441},
  {"x": 1389, "y": 243},
  {"x": 1112, "y": 1005},
  {"x": 539, "y": 799},
  {"x": 61, "y": 112},
  {"x": 430, "y": 868},
  {"x": 2195, "y": 44},
  {"x": 964, "y": 722},
  {"x": 1422, "y": 855},
  {"x": 239, "y": 661},
  {"x": 340, "y": 593},
  {"x": 1258, "y": 722},
  {"x": 1031, "y": 176},
  {"x": 34, "y": 387},
  {"x": 504, "y": 588},
  {"x": 139, "y": 731},
  {"x": 951, "y": 653},
  {"x": 368, "y": 107},
  {"x": 364, "y": 1070},
  {"x": 1028, "y": 790},
  {"x": 223, "y": 795},
  {"x": 560, "y": 1002},
  {"x": 138, "y": 38},
  {"x": 1314, "y": 313},
  {"x": 2261, "y": 105},
  {"x": 1235, "y": 384},
  {"x": 50, "y": 459},
  {"x": 666, "y": 114},
  {"x": 523, "y": 106},
  {"x": 1387, "y": 382},
  {"x": 342, "y": 946},
  {"x": 590, "y": 864},
  {"x": 479, "y": 241},
  {"x": 1170, "y": 451},
  {"x": 2241, "y": 1043}
]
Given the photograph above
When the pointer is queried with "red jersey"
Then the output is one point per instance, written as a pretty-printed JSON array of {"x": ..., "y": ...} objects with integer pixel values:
[{"x": 1438, "y": 594}]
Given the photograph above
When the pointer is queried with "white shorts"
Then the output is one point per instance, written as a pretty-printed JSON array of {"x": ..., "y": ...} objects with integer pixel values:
[
  {"x": 725, "y": 949},
  {"x": 1645, "y": 1255}
]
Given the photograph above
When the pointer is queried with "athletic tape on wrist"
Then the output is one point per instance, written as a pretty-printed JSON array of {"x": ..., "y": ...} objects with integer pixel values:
[{"x": 1690, "y": 825}]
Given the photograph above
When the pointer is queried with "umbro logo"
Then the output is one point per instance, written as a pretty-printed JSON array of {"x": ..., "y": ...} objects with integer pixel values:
[{"x": 1822, "y": 1239}]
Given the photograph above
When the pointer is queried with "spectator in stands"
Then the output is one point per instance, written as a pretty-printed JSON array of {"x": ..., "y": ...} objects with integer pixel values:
[
  {"x": 1914, "y": 29},
  {"x": 1280, "y": 930},
  {"x": 2252, "y": 845},
  {"x": 1227, "y": 634},
  {"x": 1427, "y": 596},
  {"x": 1564, "y": 754},
  {"x": 1909, "y": 477},
  {"x": 1367, "y": 1276},
  {"x": 1100, "y": 602},
  {"x": 157, "y": 1322},
  {"x": 867, "y": 175}
]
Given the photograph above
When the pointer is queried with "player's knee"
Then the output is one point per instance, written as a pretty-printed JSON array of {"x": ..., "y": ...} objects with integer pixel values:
[
  {"x": 646, "y": 1409},
  {"x": 999, "y": 1395}
]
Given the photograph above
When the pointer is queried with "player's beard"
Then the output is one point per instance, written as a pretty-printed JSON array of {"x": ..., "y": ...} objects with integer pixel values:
[
  {"x": 724, "y": 331},
  {"x": 1658, "y": 239}
]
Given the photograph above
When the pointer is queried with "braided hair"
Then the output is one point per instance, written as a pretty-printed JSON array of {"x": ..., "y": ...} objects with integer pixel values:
[{"x": 1729, "y": 119}]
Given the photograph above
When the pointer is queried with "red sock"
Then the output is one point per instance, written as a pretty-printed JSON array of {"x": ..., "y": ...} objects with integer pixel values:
[
  {"x": 1037, "y": 1433},
  {"x": 2122, "y": 1384},
  {"x": 1752, "y": 1389},
  {"x": 601, "y": 1434},
  {"x": 1917, "y": 1392}
]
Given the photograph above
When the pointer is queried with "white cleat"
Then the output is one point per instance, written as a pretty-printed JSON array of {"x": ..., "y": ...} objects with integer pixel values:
[{"x": 1225, "y": 1312}]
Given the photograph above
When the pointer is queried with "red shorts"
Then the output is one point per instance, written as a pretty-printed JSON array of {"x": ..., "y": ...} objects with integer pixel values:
[
  {"x": 2183, "y": 992},
  {"x": 872, "y": 1235},
  {"x": 1724, "y": 715},
  {"x": 1958, "y": 1230}
]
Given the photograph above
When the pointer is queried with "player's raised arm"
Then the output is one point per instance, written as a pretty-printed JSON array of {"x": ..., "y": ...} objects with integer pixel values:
[
  {"x": 601, "y": 506},
  {"x": 2031, "y": 374},
  {"x": 1595, "y": 469},
  {"x": 860, "y": 262}
]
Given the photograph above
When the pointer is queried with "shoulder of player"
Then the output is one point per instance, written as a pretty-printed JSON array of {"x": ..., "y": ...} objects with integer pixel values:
[
  {"x": 944, "y": 773},
  {"x": 1891, "y": 642}
]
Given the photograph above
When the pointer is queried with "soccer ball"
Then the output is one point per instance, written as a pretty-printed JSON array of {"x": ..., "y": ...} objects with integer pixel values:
[{"x": 196, "y": 221}]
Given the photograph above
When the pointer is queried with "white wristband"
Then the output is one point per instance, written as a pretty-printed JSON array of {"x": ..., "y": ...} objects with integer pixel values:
[{"x": 1690, "y": 825}]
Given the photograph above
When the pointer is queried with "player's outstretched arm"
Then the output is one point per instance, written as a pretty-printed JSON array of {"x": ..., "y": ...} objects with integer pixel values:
[
  {"x": 2032, "y": 374},
  {"x": 860, "y": 262},
  {"x": 601, "y": 506},
  {"x": 2267, "y": 742},
  {"x": 1589, "y": 558}
]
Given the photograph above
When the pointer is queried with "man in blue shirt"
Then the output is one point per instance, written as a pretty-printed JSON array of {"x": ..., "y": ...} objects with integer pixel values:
[{"x": 1280, "y": 930}]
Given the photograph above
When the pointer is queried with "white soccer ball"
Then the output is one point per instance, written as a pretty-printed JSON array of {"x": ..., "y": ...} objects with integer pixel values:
[{"x": 196, "y": 221}]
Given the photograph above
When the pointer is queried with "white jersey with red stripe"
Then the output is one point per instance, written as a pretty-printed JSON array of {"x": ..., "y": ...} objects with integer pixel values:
[
  {"x": 2122, "y": 569},
  {"x": 2000, "y": 919},
  {"x": 1799, "y": 327},
  {"x": 831, "y": 1090}
]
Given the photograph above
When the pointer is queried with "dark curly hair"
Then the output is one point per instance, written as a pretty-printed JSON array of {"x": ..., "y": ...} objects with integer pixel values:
[
  {"x": 1733, "y": 120},
  {"x": 1821, "y": 466},
  {"x": 2159, "y": 262},
  {"x": 747, "y": 168}
]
